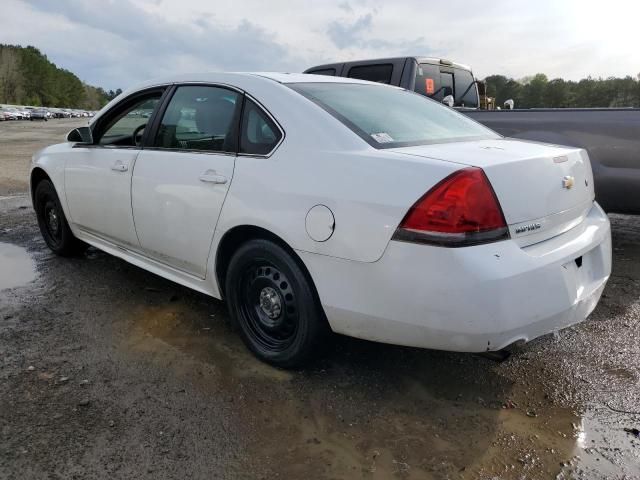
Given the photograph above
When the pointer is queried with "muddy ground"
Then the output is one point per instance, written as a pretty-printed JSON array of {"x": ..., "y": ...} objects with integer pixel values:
[{"x": 108, "y": 371}]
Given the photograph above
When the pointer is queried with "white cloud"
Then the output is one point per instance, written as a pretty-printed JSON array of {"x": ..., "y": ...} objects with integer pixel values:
[{"x": 115, "y": 43}]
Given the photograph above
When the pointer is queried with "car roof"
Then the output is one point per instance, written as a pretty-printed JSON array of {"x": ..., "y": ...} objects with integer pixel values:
[
  {"x": 230, "y": 77},
  {"x": 372, "y": 61},
  {"x": 241, "y": 80}
]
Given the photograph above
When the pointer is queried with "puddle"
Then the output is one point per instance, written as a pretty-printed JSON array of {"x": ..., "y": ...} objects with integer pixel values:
[
  {"x": 198, "y": 334},
  {"x": 404, "y": 414},
  {"x": 16, "y": 266},
  {"x": 603, "y": 448}
]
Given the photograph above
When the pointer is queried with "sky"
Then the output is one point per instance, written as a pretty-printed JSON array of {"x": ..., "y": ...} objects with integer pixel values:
[{"x": 116, "y": 43}]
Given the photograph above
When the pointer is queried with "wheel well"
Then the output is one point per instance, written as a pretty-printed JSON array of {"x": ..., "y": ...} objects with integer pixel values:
[
  {"x": 234, "y": 238},
  {"x": 37, "y": 175}
]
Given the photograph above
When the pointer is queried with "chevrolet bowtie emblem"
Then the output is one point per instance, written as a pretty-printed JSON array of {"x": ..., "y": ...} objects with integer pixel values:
[{"x": 567, "y": 182}]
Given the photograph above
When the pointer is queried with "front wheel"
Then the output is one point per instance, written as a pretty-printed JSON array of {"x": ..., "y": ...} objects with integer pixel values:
[
  {"x": 53, "y": 223},
  {"x": 274, "y": 305}
]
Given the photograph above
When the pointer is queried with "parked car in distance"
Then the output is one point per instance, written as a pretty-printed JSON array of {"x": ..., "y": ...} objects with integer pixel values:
[
  {"x": 311, "y": 204},
  {"x": 38, "y": 114},
  {"x": 8, "y": 114},
  {"x": 17, "y": 114},
  {"x": 610, "y": 135},
  {"x": 436, "y": 78}
]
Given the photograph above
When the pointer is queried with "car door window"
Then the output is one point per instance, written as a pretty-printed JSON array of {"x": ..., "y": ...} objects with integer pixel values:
[
  {"x": 259, "y": 135},
  {"x": 446, "y": 80},
  {"x": 199, "y": 118},
  {"x": 126, "y": 127},
  {"x": 428, "y": 81}
]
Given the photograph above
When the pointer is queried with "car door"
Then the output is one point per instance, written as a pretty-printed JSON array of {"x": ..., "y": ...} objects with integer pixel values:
[
  {"x": 98, "y": 176},
  {"x": 181, "y": 178}
]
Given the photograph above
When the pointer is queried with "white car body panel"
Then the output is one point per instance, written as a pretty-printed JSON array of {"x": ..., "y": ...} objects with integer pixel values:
[
  {"x": 469, "y": 299},
  {"x": 537, "y": 194},
  {"x": 176, "y": 206},
  {"x": 98, "y": 190}
]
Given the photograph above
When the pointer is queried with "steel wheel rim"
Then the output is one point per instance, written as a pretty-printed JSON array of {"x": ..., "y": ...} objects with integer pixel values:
[
  {"x": 52, "y": 220},
  {"x": 268, "y": 306}
]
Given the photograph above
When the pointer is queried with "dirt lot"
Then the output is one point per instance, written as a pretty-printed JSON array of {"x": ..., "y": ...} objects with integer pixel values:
[{"x": 111, "y": 372}]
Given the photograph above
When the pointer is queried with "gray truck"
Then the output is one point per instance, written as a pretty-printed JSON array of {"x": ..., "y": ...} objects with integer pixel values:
[{"x": 610, "y": 135}]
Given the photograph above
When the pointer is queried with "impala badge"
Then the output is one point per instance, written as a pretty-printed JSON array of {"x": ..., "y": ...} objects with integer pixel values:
[
  {"x": 532, "y": 227},
  {"x": 567, "y": 182}
]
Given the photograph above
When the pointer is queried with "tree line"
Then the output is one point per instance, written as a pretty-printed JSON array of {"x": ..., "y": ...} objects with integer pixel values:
[
  {"x": 540, "y": 92},
  {"x": 27, "y": 77}
]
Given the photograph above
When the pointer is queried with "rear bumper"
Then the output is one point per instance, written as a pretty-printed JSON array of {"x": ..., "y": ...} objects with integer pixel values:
[{"x": 469, "y": 299}]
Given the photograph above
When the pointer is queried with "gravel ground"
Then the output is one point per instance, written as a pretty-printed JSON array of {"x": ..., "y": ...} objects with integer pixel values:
[{"x": 110, "y": 371}]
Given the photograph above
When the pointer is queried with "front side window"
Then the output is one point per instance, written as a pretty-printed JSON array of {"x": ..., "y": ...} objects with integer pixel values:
[
  {"x": 199, "y": 118},
  {"x": 259, "y": 134},
  {"x": 127, "y": 127},
  {"x": 388, "y": 117},
  {"x": 374, "y": 73}
]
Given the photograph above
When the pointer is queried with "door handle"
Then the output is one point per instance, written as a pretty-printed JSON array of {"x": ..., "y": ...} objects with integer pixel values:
[
  {"x": 210, "y": 176},
  {"x": 119, "y": 167}
]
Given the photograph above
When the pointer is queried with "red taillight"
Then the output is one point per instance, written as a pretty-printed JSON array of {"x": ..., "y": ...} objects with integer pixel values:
[{"x": 459, "y": 211}]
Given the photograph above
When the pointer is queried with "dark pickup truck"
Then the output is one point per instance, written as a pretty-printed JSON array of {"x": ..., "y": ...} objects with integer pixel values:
[{"x": 610, "y": 135}]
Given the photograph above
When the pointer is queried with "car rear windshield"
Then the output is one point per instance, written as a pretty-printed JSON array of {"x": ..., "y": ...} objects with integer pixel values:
[{"x": 389, "y": 117}]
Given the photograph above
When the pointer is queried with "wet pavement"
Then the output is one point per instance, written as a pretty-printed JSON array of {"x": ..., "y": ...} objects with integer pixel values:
[
  {"x": 110, "y": 371},
  {"x": 17, "y": 265}
]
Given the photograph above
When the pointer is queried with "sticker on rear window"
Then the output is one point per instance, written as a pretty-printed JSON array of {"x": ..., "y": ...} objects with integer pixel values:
[
  {"x": 430, "y": 86},
  {"x": 382, "y": 137}
]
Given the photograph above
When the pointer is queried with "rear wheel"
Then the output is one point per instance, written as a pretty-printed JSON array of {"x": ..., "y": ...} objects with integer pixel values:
[
  {"x": 274, "y": 305},
  {"x": 53, "y": 223}
]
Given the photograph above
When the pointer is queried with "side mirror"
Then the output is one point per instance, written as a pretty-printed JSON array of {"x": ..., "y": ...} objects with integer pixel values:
[
  {"x": 448, "y": 100},
  {"x": 80, "y": 135},
  {"x": 509, "y": 104}
]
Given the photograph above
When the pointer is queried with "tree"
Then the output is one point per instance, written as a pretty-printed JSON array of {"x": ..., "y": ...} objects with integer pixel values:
[
  {"x": 27, "y": 77},
  {"x": 538, "y": 91},
  {"x": 556, "y": 94},
  {"x": 533, "y": 91}
]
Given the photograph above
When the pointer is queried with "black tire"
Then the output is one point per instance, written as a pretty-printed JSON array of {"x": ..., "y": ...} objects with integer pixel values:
[
  {"x": 274, "y": 305},
  {"x": 52, "y": 222}
]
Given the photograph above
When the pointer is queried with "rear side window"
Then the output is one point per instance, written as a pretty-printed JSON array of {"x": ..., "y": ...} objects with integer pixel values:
[
  {"x": 199, "y": 118},
  {"x": 374, "y": 73},
  {"x": 331, "y": 72},
  {"x": 428, "y": 81},
  {"x": 259, "y": 135}
]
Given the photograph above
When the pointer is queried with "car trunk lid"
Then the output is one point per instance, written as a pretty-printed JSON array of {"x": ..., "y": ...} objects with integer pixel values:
[{"x": 543, "y": 189}]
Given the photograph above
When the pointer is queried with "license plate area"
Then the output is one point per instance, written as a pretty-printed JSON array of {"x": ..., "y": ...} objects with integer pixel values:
[{"x": 584, "y": 274}]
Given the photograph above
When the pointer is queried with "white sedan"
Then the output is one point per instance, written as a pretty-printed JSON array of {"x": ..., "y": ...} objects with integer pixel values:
[{"x": 314, "y": 204}]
